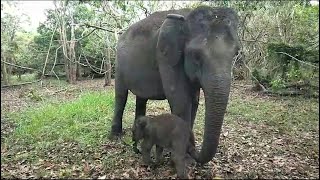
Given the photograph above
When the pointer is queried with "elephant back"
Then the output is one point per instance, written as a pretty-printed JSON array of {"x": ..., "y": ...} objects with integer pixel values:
[{"x": 147, "y": 26}]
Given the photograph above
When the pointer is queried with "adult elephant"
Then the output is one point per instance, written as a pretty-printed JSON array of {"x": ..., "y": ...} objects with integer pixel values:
[{"x": 171, "y": 55}]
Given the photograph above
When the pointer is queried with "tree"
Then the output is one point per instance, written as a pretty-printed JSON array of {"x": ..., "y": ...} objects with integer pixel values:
[
  {"x": 10, "y": 23},
  {"x": 63, "y": 14}
]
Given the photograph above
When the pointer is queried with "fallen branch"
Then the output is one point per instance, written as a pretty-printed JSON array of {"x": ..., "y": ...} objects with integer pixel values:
[
  {"x": 54, "y": 75},
  {"x": 253, "y": 40},
  {"x": 289, "y": 93},
  {"x": 14, "y": 85},
  {"x": 22, "y": 67},
  {"x": 58, "y": 91},
  {"x": 298, "y": 59},
  {"x": 301, "y": 85},
  {"x": 256, "y": 80}
]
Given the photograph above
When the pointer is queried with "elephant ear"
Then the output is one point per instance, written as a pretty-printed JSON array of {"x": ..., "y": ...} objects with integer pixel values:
[{"x": 171, "y": 40}]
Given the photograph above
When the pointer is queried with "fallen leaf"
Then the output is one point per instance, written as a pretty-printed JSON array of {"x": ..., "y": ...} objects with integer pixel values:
[
  {"x": 103, "y": 177},
  {"x": 86, "y": 168},
  {"x": 126, "y": 175}
]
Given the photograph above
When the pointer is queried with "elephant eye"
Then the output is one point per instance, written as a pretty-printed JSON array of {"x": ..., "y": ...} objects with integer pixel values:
[{"x": 197, "y": 57}]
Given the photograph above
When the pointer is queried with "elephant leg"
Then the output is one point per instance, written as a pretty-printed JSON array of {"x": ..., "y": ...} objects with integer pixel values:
[
  {"x": 177, "y": 91},
  {"x": 159, "y": 157},
  {"x": 194, "y": 108},
  {"x": 121, "y": 95},
  {"x": 183, "y": 110},
  {"x": 178, "y": 157},
  {"x": 141, "y": 104},
  {"x": 146, "y": 147}
]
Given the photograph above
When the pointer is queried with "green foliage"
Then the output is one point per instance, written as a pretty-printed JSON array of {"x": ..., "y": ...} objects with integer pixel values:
[
  {"x": 25, "y": 54},
  {"x": 269, "y": 26},
  {"x": 298, "y": 51},
  {"x": 289, "y": 67},
  {"x": 277, "y": 84},
  {"x": 10, "y": 22},
  {"x": 294, "y": 75},
  {"x": 306, "y": 19}
]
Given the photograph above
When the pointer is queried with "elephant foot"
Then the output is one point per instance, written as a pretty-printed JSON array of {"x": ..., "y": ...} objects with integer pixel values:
[
  {"x": 189, "y": 159},
  {"x": 171, "y": 163},
  {"x": 115, "y": 135},
  {"x": 147, "y": 163},
  {"x": 116, "y": 132},
  {"x": 182, "y": 177},
  {"x": 159, "y": 161}
]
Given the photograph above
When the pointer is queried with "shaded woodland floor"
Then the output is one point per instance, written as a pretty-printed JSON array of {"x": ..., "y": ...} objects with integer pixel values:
[{"x": 60, "y": 131}]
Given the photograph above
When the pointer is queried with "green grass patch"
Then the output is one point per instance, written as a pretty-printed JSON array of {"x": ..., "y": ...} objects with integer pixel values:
[
  {"x": 86, "y": 120},
  {"x": 287, "y": 115}
]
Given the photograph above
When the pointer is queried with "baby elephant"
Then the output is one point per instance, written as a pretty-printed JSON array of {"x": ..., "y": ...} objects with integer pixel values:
[{"x": 165, "y": 131}]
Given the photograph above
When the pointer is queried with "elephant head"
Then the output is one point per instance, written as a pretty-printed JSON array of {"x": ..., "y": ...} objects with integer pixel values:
[
  {"x": 204, "y": 42},
  {"x": 138, "y": 129}
]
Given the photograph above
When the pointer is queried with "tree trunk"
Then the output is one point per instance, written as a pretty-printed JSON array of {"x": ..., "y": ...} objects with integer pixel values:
[
  {"x": 79, "y": 72},
  {"x": 107, "y": 65},
  {"x": 9, "y": 68},
  {"x": 68, "y": 47},
  {"x": 72, "y": 55},
  {"x": 4, "y": 73},
  {"x": 63, "y": 42}
]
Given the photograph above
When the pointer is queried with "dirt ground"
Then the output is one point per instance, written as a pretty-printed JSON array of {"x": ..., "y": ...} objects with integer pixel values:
[{"x": 247, "y": 149}]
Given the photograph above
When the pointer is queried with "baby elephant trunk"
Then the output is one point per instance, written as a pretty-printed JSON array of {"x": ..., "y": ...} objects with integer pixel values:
[
  {"x": 191, "y": 147},
  {"x": 135, "y": 142}
]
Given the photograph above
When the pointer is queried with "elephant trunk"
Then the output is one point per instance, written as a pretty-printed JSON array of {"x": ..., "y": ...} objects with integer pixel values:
[{"x": 216, "y": 91}]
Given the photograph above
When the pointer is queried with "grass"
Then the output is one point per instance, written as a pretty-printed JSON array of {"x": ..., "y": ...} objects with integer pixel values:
[
  {"x": 66, "y": 139},
  {"x": 85, "y": 120},
  {"x": 62, "y": 127},
  {"x": 286, "y": 115}
]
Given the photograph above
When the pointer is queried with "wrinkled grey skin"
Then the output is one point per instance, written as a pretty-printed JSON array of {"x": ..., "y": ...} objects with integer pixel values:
[
  {"x": 171, "y": 58},
  {"x": 165, "y": 131}
]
